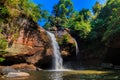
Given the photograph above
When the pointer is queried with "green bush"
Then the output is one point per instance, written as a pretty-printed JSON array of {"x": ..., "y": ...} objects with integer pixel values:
[{"x": 65, "y": 38}]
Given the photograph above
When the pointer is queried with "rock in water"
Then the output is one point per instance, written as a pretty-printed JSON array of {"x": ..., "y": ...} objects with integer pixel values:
[
  {"x": 11, "y": 72},
  {"x": 6, "y": 70},
  {"x": 17, "y": 74}
]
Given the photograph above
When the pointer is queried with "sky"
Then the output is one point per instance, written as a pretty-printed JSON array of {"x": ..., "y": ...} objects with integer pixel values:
[{"x": 78, "y": 4}]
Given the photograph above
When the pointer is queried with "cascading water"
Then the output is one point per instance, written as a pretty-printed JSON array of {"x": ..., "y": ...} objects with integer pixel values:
[
  {"x": 57, "y": 59},
  {"x": 78, "y": 60},
  {"x": 76, "y": 45}
]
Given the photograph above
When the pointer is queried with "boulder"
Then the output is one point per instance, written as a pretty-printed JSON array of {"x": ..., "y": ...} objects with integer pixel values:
[
  {"x": 6, "y": 70},
  {"x": 17, "y": 74},
  {"x": 24, "y": 67}
]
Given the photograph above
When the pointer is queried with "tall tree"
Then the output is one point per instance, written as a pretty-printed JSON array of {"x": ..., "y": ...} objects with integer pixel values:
[
  {"x": 60, "y": 14},
  {"x": 63, "y": 8}
]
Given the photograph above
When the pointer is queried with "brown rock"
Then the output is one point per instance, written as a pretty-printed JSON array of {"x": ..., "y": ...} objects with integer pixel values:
[
  {"x": 64, "y": 53},
  {"x": 31, "y": 45},
  {"x": 24, "y": 66}
]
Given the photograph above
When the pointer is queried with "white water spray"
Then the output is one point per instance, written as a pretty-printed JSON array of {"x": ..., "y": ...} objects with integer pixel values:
[{"x": 57, "y": 59}]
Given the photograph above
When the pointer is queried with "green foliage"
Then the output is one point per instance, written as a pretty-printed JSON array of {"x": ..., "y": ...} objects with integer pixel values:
[
  {"x": 1, "y": 59},
  {"x": 96, "y": 8},
  {"x": 80, "y": 23},
  {"x": 64, "y": 16},
  {"x": 3, "y": 44},
  {"x": 98, "y": 22},
  {"x": 98, "y": 29},
  {"x": 113, "y": 23},
  {"x": 63, "y": 8},
  {"x": 61, "y": 14},
  {"x": 106, "y": 24},
  {"x": 26, "y": 7},
  {"x": 84, "y": 14},
  {"x": 82, "y": 28},
  {"x": 65, "y": 38},
  {"x": 3, "y": 11}
]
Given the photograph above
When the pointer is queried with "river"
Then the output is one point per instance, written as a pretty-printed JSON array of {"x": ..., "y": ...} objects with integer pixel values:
[{"x": 71, "y": 75}]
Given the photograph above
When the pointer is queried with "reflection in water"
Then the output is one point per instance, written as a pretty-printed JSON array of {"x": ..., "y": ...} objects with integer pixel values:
[
  {"x": 57, "y": 76},
  {"x": 17, "y": 78}
]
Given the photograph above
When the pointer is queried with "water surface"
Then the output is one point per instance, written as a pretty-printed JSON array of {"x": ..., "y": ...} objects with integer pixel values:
[{"x": 71, "y": 75}]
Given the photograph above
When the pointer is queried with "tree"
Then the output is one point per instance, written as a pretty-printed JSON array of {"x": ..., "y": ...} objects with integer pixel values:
[
  {"x": 64, "y": 16},
  {"x": 81, "y": 29},
  {"x": 80, "y": 23},
  {"x": 106, "y": 26},
  {"x": 60, "y": 14},
  {"x": 63, "y": 8},
  {"x": 96, "y": 8},
  {"x": 85, "y": 14},
  {"x": 113, "y": 29}
]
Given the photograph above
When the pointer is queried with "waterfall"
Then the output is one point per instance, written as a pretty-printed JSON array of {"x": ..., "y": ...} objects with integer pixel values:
[
  {"x": 76, "y": 45},
  {"x": 57, "y": 59}
]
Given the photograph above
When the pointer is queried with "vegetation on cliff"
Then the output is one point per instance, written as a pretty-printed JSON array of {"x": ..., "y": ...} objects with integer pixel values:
[{"x": 14, "y": 16}]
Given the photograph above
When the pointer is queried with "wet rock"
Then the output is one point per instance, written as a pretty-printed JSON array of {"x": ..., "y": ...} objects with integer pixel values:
[
  {"x": 6, "y": 70},
  {"x": 11, "y": 72},
  {"x": 17, "y": 74}
]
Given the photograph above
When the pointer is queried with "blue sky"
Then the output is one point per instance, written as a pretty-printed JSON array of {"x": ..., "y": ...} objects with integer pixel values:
[{"x": 78, "y": 4}]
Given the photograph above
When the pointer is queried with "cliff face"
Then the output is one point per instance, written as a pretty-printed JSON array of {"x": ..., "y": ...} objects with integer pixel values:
[{"x": 32, "y": 45}]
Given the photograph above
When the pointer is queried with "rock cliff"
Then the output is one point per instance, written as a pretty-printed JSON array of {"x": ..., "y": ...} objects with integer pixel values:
[{"x": 32, "y": 46}]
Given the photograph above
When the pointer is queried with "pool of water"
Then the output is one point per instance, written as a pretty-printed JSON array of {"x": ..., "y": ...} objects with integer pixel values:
[{"x": 71, "y": 75}]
